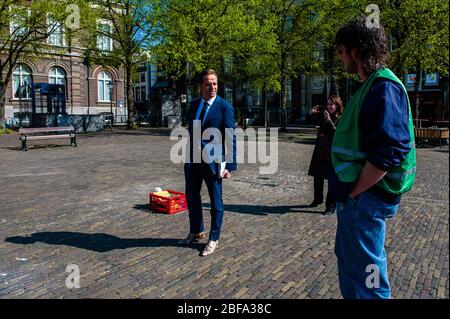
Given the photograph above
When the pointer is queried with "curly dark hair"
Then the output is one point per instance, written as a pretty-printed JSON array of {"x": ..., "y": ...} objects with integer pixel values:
[{"x": 370, "y": 43}]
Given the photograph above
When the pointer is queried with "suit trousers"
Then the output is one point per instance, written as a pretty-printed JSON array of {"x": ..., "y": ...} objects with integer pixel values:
[{"x": 195, "y": 174}]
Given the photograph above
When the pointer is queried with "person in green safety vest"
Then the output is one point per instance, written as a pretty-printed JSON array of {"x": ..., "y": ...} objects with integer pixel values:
[{"x": 374, "y": 160}]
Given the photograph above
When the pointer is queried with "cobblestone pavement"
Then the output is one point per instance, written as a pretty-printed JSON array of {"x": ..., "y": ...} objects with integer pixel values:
[{"x": 88, "y": 206}]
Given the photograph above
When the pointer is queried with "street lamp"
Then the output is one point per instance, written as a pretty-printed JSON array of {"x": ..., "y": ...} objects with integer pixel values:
[
  {"x": 245, "y": 111},
  {"x": 110, "y": 89}
]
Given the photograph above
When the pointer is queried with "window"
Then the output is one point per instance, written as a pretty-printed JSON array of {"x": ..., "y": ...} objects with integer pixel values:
[
  {"x": 319, "y": 52},
  {"x": 143, "y": 77},
  {"x": 57, "y": 76},
  {"x": 55, "y": 32},
  {"x": 104, "y": 40},
  {"x": 143, "y": 95},
  {"x": 137, "y": 94},
  {"x": 288, "y": 92},
  {"x": 189, "y": 94},
  {"x": 257, "y": 98},
  {"x": 17, "y": 26},
  {"x": 189, "y": 70},
  {"x": 229, "y": 93},
  {"x": 21, "y": 82},
  {"x": 140, "y": 93},
  {"x": 288, "y": 22},
  {"x": 228, "y": 64},
  {"x": 104, "y": 87}
]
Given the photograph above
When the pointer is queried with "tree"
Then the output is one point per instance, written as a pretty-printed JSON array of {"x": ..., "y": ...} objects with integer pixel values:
[
  {"x": 419, "y": 35},
  {"x": 24, "y": 31},
  {"x": 132, "y": 32},
  {"x": 201, "y": 33},
  {"x": 337, "y": 13},
  {"x": 293, "y": 27}
]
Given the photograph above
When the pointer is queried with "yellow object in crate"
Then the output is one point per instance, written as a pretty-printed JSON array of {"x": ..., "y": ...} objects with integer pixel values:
[{"x": 163, "y": 193}]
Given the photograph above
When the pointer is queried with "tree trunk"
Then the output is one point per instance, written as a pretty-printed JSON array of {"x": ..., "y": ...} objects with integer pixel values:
[
  {"x": 2, "y": 106},
  {"x": 416, "y": 92},
  {"x": 265, "y": 109},
  {"x": 283, "y": 126},
  {"x": 333, "y": 85},
  {"x": 129, "y": 97}
]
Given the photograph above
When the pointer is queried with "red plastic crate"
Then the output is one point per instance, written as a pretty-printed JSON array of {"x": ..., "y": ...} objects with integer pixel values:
[{"x": 168, "y": 205}]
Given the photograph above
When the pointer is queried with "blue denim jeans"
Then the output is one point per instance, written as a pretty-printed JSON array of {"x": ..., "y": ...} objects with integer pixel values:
[{"x": 360, "y": 235}]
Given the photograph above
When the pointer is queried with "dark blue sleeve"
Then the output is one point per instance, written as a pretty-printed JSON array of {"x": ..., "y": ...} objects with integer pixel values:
[{"x": 383, "y": 122}]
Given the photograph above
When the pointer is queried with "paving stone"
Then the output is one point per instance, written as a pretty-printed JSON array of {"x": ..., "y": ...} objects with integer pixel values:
[{"x": 89, "y": 206}]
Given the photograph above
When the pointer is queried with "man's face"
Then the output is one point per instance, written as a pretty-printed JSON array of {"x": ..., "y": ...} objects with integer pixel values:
[
  {"x": 209, "y": 86},
  {"x": 348, "y": 59}
]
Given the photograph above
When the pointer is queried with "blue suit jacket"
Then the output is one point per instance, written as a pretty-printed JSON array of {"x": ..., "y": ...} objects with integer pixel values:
[{"x": 219, "y": 116}]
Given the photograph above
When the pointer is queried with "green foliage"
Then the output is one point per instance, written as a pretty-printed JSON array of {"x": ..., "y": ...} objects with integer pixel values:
[
  {"x": 202, "y": 33},
  {"x": 6, "y": 131},
  {"x": 132, "y": 30},
  {"x": 268, "y": 41},
  {"x": 419, "y": 33},
  {"x": 24, "y": 34},
  {"x": 289, "y": 30}
]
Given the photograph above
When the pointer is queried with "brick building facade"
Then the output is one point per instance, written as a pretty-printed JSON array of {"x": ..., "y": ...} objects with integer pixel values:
[{"x": 87, "y": 87}]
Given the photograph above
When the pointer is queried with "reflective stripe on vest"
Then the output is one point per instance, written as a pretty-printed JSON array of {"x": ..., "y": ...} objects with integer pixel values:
[
  {"x": 402, "y": 175},
  {"x": 345, "y": 151}
]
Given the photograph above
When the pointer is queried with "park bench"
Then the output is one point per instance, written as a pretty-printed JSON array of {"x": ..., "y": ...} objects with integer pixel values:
[
  {"x": 431, "y": 134},
  {"x": 47, "y": 133}
]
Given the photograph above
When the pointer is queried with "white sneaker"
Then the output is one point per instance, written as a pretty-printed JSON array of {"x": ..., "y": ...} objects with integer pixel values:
[{"x": 210, "y": 247}]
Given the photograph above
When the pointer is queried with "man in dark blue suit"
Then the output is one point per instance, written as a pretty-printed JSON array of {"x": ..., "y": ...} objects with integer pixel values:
[{"x": 207, "y": 158}]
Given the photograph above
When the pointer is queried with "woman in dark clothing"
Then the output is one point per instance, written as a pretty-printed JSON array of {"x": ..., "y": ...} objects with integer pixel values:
[{"x": 320, "y": 165}]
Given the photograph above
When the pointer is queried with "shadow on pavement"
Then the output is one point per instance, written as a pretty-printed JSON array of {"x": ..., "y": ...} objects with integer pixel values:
[
  {"x": 146, "y": 208},
  {"x": 247, "y": 209},
  {"x": 35, "y": 146},
  {"x": 98, "y": 242},
  {"x": 266, "y": 210},
  {"x": 143, "y": 131}
]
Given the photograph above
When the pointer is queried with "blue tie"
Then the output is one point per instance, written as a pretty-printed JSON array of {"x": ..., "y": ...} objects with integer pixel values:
[{"x": 203, "y": 112}]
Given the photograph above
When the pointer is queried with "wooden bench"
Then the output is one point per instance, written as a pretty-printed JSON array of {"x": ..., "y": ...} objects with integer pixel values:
[
  {"x": 431, "y": 134},
  {"x": 47, "y": 133}
]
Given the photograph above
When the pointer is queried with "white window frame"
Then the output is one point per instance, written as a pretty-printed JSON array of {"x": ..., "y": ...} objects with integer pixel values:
[
  {"x": 101, "y": 78},
  {"x": 22, "y": 74},
  {"x": 57, "y": 76},
  {"x": 102, "y": 37},
  {"x": 14, "y": 25},
  {"x": 52, "y": 36}
]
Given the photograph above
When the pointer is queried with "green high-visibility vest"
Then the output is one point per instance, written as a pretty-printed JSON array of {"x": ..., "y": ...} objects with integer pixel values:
[{"x": 347, "y": 157}]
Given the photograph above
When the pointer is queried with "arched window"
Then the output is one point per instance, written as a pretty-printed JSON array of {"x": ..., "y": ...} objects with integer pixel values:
[
  {"x": 21, "y": 82},
  {"x": 57, "y": 76},
  {"x": 104, "y": 87}
]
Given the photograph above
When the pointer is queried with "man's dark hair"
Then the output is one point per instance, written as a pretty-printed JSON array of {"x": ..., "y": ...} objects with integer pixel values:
[
  {"x": 370, "y": 43},
  {"x": 206, "y": 72}
]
